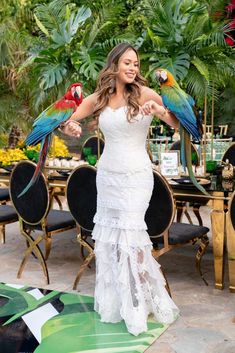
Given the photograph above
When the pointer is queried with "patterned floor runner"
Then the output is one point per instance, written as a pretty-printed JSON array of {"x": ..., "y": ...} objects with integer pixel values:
[{"x": 36, "y": 320}]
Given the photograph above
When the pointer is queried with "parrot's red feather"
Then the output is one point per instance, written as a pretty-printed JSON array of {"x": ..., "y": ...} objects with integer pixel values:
[{"x": 64, "y": 104}]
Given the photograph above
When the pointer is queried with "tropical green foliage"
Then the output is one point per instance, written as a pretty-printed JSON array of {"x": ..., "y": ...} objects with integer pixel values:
[
  {"x": 76, "y": 328},
  {"x": 47, "y": 45}
]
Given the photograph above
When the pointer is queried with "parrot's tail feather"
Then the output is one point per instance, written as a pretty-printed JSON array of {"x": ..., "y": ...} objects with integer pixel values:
[
  {"x": 32, "y": 181},
  {"x": 182, "y": 147},
  {"x": 45, "y": 145},
  {"x": 189, "y": 163}
]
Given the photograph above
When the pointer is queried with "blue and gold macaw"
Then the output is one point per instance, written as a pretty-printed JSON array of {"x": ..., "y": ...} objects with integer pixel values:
[
  {"x": 181, "y": 105},
  {"x": 49, "y": 120}
]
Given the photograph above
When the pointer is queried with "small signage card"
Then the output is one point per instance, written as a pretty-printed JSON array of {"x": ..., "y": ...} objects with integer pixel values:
[{"x": 169, "y": 163}]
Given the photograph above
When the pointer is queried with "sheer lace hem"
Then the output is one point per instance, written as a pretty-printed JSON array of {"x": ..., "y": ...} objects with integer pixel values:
[{"x": 130, "y": 286}]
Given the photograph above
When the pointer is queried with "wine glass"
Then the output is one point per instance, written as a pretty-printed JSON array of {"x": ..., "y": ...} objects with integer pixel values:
[
  {"x": 171, "y": 133},
  {"x": 216, "y": 131}
]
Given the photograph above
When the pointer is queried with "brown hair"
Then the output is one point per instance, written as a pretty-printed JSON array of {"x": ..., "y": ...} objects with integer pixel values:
[{"x": 106, "y": 85}]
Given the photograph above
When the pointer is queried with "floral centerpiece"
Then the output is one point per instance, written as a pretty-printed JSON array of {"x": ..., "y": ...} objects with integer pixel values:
[{"x": 11, "y": 155}]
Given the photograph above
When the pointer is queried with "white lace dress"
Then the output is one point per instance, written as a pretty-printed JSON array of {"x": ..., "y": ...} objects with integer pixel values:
[{"x": 129, "y": 283}]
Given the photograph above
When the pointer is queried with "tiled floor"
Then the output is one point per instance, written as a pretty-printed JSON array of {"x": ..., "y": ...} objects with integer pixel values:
[{"x": 207, "y": 321}]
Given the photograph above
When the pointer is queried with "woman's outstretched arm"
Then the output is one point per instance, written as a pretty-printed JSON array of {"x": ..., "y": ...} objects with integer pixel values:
[
  {"x": 151, "y": 103},
  {"x": 86, "y": 108}
]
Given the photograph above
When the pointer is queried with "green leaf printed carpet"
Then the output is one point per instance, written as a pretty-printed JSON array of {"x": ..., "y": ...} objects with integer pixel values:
[{"x": 44, "y": 321}]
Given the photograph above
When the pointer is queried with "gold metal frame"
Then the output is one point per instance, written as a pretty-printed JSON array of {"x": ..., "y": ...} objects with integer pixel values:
[
  {"x": 3, "y": 230},
  {"x": 33, "y": 244}
]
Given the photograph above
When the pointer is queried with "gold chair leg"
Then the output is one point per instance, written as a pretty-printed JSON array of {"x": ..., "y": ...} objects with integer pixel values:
[
  {"x": 188, "y": 216},
  {"x": 33, "y": 247},
  {"x": 87, "y": 260},
  {"x": 3, "y": 234},
  {"x": 201, "y": 251},
  {"x": 56, "y": 197},
  {"x": 197, "y": 214},
  {"x": 48, "y": 242},
  {"x": 180, "y": 209},
  {"x": 27, "y": 243}
]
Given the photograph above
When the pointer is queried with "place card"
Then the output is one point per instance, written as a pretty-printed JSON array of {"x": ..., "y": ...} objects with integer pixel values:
[{"x": 169, "y": 163}]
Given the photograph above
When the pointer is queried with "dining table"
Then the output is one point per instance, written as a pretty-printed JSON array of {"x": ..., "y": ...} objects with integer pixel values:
[{"x": 223, "y": 235}]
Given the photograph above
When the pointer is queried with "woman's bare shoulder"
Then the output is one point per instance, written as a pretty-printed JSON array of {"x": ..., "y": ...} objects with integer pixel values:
[
  {"x": 147, "y": 94},
  {"x": 92, "y": 98}
]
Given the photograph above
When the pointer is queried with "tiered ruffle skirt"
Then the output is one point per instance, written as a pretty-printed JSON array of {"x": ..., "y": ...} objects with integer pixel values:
[{"x": 129, "y": 282}]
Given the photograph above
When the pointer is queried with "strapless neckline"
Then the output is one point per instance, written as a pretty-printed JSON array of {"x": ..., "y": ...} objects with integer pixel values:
[{"x": 114, "y": 109}]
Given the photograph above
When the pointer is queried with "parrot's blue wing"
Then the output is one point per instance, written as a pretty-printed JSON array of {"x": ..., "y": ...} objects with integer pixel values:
[
  {"x": 46, "y": 123},
  {"x": 179, "y": 103},
  {"x": 190, "y": 100}
]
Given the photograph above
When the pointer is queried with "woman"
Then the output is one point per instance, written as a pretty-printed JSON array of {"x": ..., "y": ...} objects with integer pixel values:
[{"x": 129, "y": 283}]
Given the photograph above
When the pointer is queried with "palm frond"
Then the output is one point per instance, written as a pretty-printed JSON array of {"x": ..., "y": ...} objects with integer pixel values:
[
  {"x": 201, "y": 67},
  {"x": 51, "y": 15}
]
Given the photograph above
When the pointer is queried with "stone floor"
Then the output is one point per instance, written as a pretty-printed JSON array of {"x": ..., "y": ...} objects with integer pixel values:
[{"x": 207, "y": 320}]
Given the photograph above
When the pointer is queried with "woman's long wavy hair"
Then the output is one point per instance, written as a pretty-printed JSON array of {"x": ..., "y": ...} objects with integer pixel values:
[{"x": 106, "y": 85}]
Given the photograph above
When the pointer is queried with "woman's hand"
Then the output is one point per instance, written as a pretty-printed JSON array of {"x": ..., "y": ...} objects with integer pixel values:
[
  {"x": 152, "y": 108},
  {"x": 71, "y": 128}
]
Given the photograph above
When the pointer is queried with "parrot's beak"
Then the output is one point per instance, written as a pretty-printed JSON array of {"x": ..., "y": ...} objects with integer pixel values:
[
  {"x": 159, "y": 77},
  {"x": 78, "y": 92}
]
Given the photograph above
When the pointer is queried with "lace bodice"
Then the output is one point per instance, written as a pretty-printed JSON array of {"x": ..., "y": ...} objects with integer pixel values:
[{"x": 125, "y": 142}]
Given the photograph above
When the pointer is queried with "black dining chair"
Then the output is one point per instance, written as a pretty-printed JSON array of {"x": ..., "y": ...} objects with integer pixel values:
[
  {"x": 81, "y": 199},
  {"x": 7, "y": 215},
  {"x": 95, "y": 143},
  {"x": 166, "y": 234},
  {"x": 4, "y": 195},
  {"x": 33, "y": 209},
  {"x": 230, "y": 154}
]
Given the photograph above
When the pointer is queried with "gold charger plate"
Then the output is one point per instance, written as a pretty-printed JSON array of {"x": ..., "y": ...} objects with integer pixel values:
[
  {"x": 187, "y": 181},
  {"x": 204, "y": 181}
]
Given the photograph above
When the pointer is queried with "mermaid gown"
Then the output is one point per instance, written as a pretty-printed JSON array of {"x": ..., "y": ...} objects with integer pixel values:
[{"x": 129, "y": 283}]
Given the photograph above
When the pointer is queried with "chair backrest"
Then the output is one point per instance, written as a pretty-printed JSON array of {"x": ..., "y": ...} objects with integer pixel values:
[
  {"x": 161, "y": 210},
  {"x": 96, "y": 144},
  {"x": 208, "y": 128},
  {"x": 230, "y": 154},
  {"x": 223, "y": 130},
  {"x": 176, "y": 147},
  {"x": 33, "y": 206},
  {"x": 4, "y": 195},
  {"x": 81, "y": 195},
  {"x": 158, "y": 128}
]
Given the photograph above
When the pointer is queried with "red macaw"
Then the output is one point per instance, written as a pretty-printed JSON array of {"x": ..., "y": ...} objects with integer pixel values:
[
  {"x": 181, "y": 105},
  {"x": 49, "y": 120}
]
